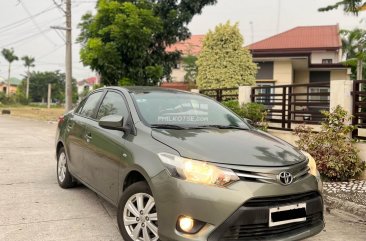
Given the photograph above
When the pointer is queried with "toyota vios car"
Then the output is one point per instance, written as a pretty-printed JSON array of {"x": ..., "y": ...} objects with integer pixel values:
[{"x": 180, "y": 166}]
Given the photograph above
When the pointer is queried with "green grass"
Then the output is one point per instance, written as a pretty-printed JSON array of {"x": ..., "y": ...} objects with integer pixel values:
[{"x": 35, "y": 112}]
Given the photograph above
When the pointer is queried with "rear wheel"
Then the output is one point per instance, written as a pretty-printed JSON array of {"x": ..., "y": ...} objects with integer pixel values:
[
  {"x": 137, "y": 215},
  {"x": 64, "y": 177}
]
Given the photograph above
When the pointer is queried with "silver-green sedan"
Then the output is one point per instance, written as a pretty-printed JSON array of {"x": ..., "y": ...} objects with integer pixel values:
[{"x": 181, "y": 167}]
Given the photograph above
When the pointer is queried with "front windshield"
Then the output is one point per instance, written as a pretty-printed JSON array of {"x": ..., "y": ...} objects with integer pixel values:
[{"x": 183, "y": 109}]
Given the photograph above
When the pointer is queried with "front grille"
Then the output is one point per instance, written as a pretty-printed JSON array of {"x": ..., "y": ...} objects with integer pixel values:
[
  {"x": 251, "y": 221},
  {"x": 298, "y": 172},
  {"x": 262, "y": 231}
]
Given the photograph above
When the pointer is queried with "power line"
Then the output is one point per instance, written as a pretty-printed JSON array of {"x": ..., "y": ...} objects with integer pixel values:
[
  {"x": 59, "y": 6},
  {"x": 52, "y": 51},
  {"x": 35, "y": 23},
  {"x": 24, "y": 20},
  {"x": 26, "y": 38},
  {"x": 62, "y": 36},
  {"x": 19, "y": 31}
]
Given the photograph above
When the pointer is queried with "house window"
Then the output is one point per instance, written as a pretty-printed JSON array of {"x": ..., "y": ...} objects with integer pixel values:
[
  {"x": 266, "y": 99},
  {"x": 4, "y": 89},
  {"x": 265, "y": 70},
  {"x": 327, "y": 61}
]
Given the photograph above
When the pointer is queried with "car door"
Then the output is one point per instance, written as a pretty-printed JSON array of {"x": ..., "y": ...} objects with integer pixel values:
[
  {"x": 106, "y": 150},
  {"x": 76, "y": 139}
]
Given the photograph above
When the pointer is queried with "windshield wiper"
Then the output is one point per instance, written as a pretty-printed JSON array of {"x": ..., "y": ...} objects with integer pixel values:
[
  {"x": 222, "y": 127},
  {"x": 167, "y": 126}
]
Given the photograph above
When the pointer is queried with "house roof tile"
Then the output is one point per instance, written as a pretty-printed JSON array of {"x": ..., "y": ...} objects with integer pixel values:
[
  {"x": 299, "y": 38},
  {"x": 191, "y": 46}
]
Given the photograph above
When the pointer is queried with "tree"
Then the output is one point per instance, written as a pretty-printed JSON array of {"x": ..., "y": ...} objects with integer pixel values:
[
  {"x": 10, "y": 57},
  {"x": 223, "y": 61},
  {"x": 125, "y": 41},
  {"x": 190, "y": 67},
  {"x": 349, "y": 6},
  {"x": 28, "y": 63},
  {"x": 354, "y": 48},
  {"x": 38, "y": 86}
]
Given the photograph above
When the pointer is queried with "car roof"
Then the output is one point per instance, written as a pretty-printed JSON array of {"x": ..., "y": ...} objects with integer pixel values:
[{"x": 144, "y": 89}]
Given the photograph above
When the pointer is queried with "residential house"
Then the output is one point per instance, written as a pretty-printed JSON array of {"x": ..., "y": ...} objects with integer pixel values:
[
  {"x": 191, "y": 46},
  {"x": 87, "y": 85},
  {"x": 300, "y": 55},
  {"x": 14, "y": 83}
]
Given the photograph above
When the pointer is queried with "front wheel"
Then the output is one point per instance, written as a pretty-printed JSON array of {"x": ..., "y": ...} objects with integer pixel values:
[{"x": 137, "y": 215}]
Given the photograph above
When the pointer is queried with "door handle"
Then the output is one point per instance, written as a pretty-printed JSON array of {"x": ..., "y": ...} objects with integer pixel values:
[{"x": 88, "y": 137}]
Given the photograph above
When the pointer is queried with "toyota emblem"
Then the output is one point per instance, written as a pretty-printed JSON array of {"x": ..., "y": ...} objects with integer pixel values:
[{"x": 285, "y": 178}]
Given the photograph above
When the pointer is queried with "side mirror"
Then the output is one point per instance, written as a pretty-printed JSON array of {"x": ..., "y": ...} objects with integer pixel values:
[
  {"x": 249, "y": 121},
  {"x": 113, "y": 122}
]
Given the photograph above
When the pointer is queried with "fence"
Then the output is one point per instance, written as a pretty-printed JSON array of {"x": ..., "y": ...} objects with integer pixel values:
[
  {"x": 297, "y": 103},
  {"x": 221, "y": 94},
  {"x": 359, "y": 108}
]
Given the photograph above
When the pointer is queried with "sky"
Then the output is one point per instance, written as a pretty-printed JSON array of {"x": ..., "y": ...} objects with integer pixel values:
[{"x": 25, "y": 26}]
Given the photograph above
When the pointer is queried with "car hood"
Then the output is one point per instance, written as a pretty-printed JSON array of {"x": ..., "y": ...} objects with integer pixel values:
[{"x": 235, "y": 147}]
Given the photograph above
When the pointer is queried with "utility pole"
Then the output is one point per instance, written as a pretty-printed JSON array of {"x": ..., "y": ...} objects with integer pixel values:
[
  {"x": 49, "y": 96},
  {"x": 252, "y": 30},
  {"x": 27, "y": 90},
  {"x": 9, "y": 84},
  {"x": 278, "y": 16},
  {"x": 68, "y": 55},
  {"x": 68, "y": 87}
]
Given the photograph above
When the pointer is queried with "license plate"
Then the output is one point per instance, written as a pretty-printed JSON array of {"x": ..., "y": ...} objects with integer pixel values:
[{"x": 287, "y": 214}]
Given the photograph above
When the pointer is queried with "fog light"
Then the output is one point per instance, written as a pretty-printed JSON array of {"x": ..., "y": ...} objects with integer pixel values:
[
  {"x": 189, "y": 225},
  {"x": 186, "y": 224}
]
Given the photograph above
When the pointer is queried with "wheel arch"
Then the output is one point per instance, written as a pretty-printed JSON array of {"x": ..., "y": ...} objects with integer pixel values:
[
  {"x": 132, "y": 175},
  {"x": 59, "y": 145}
]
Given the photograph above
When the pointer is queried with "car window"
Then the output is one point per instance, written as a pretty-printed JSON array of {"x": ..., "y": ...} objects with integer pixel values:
[
  {"x": 90, "y": 104},
  {"x": 113, "y": 104}
]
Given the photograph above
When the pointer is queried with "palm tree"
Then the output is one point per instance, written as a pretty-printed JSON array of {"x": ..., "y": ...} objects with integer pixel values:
[
  {"x": 349, "y": 6},
  {"x": 10, "y": 57},
  {"x": 354, "y": 48},
  {"x": 28, "y": 63}
]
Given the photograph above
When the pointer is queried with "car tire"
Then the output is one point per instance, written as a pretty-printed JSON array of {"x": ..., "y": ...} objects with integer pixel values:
[
  {"x": 137, "y": 215},
  {"x": 64, "y": 177}
]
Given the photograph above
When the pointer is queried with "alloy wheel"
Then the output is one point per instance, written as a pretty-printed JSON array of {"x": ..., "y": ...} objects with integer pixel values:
[
  {"x": 61, "y": 167},
  {"x": 140, "y": 218}
]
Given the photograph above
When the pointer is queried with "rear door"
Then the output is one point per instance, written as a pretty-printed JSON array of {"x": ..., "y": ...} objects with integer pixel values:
[
  {"x": 76, "y": 141},
  {"x": 106, "y": 151}
]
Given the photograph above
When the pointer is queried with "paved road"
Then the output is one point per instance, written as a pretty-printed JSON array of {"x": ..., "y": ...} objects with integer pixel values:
[{"x": 33, "y": 207}]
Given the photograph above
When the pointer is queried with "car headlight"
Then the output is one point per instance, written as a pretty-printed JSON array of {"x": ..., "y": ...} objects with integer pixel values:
[
  {"x": 197, "y": 171},
  {"x": 311, "y": 164},
  {"x": 313, "y": 170}
]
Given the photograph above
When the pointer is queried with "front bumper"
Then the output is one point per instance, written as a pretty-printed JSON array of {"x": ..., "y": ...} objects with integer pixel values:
[{"x": 229, "y": 212}]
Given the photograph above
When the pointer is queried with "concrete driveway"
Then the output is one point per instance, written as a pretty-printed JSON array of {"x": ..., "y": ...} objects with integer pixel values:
[{"x": 33, "y": 207}]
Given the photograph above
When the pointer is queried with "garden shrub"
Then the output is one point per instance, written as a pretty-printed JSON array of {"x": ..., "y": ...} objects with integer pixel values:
[
  {"x": 253, "y": 111},
  {"x": 4, "y": 100},
  {"x": 333, "y": 149}
]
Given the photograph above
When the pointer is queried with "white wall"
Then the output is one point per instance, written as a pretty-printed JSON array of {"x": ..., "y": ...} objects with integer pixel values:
[
  {"x": 317, "y": 57},
  {"x": 178, "y": 74}
]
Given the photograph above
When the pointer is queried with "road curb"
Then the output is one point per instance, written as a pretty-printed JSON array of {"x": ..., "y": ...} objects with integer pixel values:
[{"x": 350, "y": 207}]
